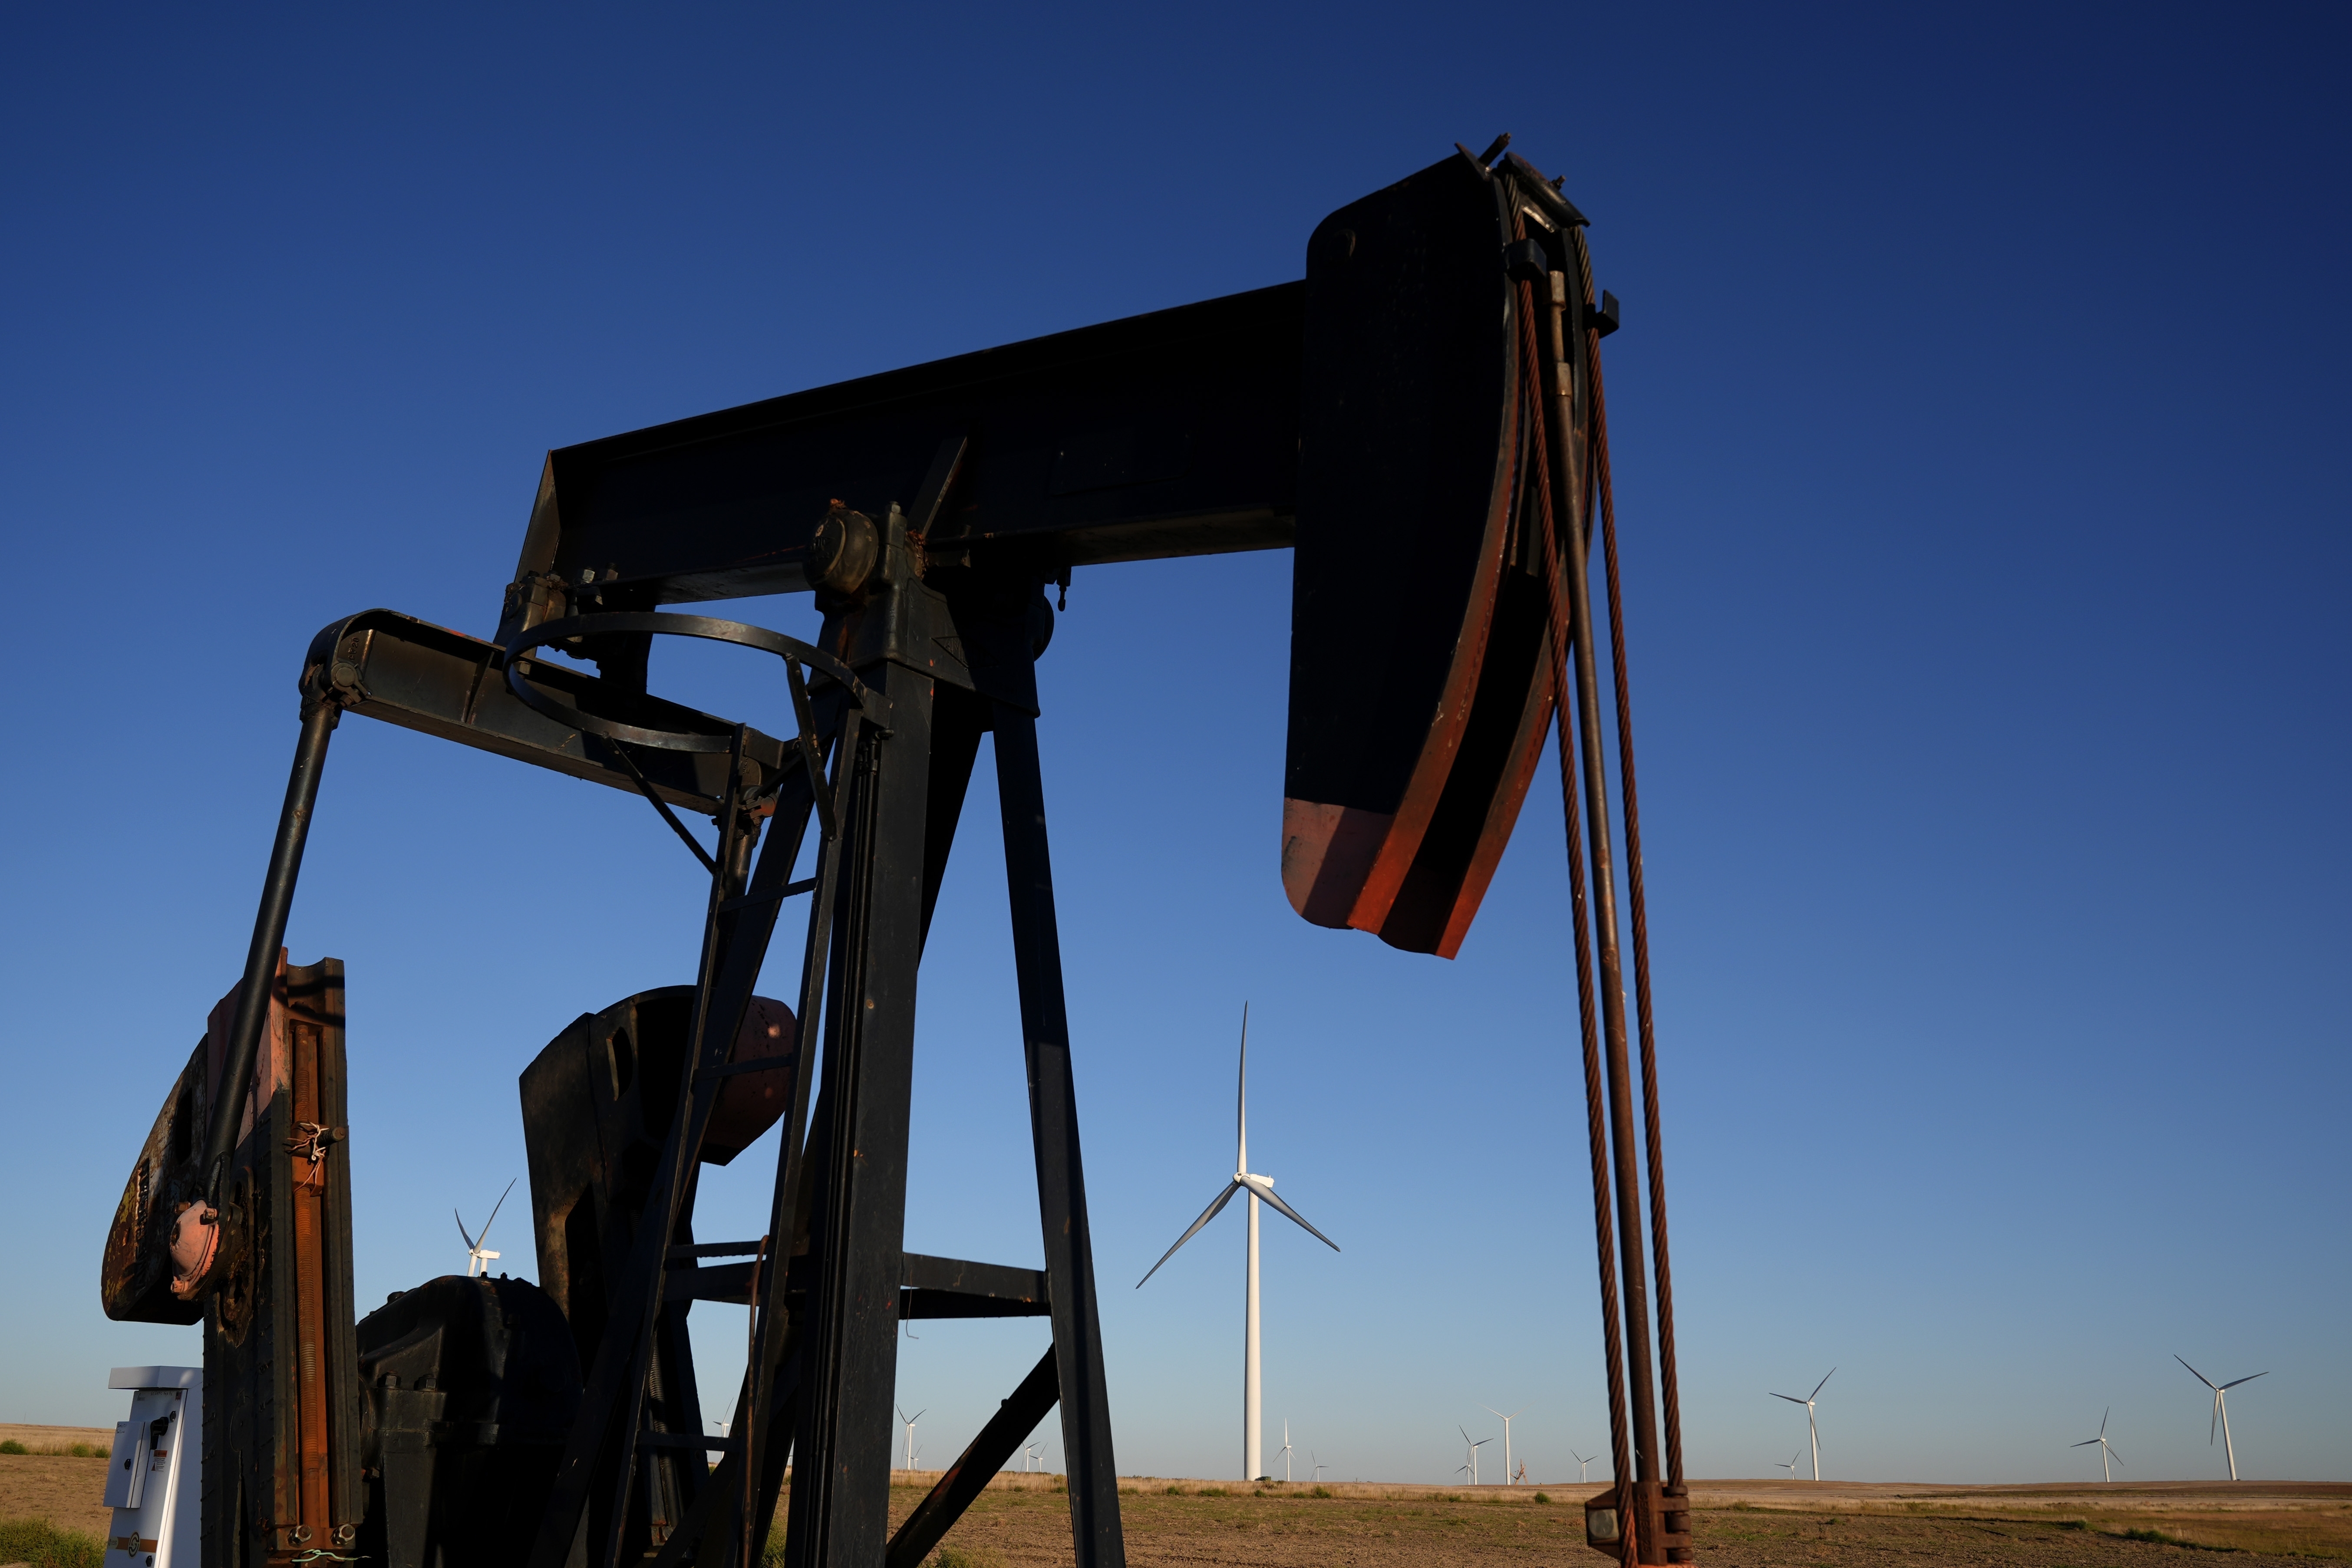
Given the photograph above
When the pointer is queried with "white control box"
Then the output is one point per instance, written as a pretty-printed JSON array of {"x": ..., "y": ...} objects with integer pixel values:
[{"x": 153, "y": 1483}]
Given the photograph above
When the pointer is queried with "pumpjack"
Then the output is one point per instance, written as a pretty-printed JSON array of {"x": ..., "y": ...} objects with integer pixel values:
[{"x": 1421, "y": 420}]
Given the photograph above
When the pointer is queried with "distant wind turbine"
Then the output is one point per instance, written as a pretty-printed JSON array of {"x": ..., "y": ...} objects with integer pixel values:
[
  {"x": 1319, "y": 1466},
  {"x": 1506, "y": 1437},
  {"x": 1285, "y": 1450},
  {"x": 1257, "y": 1187},
  {"x": 2220, "y": 1411},
  {"x": 2106, "y": 1451},
  {"x": 1808, "y": 1402},
  {"x": 478, "y": 1255},
  {"x": 909, "y": 1421},
  {"x": 1029, "y": 1460},
  {"x": 1790, "y": 1464},
  {"x": 1472, "y": 1465},
  {"x": 1582, "y": 1464}
]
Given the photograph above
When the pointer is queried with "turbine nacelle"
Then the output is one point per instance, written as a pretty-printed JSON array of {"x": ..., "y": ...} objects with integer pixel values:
[{"x": 478, "y": 1255}]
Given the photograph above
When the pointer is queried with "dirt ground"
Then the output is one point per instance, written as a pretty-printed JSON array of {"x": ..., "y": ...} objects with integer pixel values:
[
  {"x": 1825, "y": 1527},
  {"x": 2309, "y": 1518},
  {"x": 65, "y": 1492},
  {"x": 1758, "y": 1524}
]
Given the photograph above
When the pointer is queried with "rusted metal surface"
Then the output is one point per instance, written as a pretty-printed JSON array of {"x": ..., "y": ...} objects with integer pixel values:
[
  {"x": 1670, "y": 1388},
  {"x": 304, "y": 1496},
  {"x": 167, "y": 1180},
  {"x": 281, "y": 1405},
  {"x": 1421, "y": 684}
]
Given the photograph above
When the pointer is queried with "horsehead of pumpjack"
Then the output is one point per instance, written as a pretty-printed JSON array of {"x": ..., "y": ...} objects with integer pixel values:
[{"x": 1419, "y": 419}]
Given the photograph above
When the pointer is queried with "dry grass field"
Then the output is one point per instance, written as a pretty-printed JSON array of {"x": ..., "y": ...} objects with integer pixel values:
[
  {"x": 1737, "y": 1525},
  {"x": 52, "y": 1483},
  {"x": 1023, "y": 1521},
  {"x": 2298, "y": 1518}
]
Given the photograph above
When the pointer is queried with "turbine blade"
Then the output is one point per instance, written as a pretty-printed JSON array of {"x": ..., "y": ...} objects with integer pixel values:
[
  {"x": 1789, "y": 1398},
  {"x": 2084, "y": 1444},
  {"x": 1268, "y": 1195},
  {"x": 470, "y": 1242},
  {"x": 2112, "y": 1455},
  {"x": 2245, "y": 1380},
  {"x": 1208, "y": 1214},
  {"x": 494, "y": 1212},
  {"x": 1241, "y": 1101},
  {"x": 2214, "y": 1425},
  {"x": 2103, "y": 1419},
  {"x": 1824, "y": 1382},
  {"x": 2193, "y": 1371}
]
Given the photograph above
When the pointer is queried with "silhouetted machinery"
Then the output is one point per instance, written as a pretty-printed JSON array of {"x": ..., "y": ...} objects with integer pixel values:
[{"x": 1421, "y": 420}]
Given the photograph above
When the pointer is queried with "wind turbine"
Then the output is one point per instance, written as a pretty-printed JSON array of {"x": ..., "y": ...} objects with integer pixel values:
[
  {"x": 2220, "y": 1411},
  {"x": 1286, "y": 1450},
  {"x": 1506, "y": 1437},
  {"x": 1029, "y": 1457},
  {"x": 1582, "y": 1464},
  {"x": 910, "y": 1421},
  {"x": 1472, "y": 1465},
  {"x": 1257, "y": 1187},
  {"x": 1319, "y": 1466},
  {"x": 1790, "y": 1464},
  {"x": 2106, "y": 1451},
  {"x": 1808, "y": 1402},
  {"x": 477, "y": 1257}
]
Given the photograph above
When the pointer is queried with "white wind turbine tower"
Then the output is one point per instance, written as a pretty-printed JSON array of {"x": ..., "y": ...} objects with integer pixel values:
[
  {"x": 1506, "y": 1437},
  {"x": 1790, "y": 1465},
  {"x": 1257, "y": 1187},
  {"x": 1286, "y": 1450},
  {"x": 1808, "y": 1402},
  {"x": 2220, "y": 1411},
  {"x": 1472, "y": 1465},
  {"x": 909, "y": 1422},
  {"x": 477, "y": 1256},
  {"x": 1582, "y": 1464},
  {"x": 2106, "y": 1451}
]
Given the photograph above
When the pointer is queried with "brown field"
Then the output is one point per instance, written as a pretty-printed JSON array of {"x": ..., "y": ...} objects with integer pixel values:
[
  {"x": 1758, "y": 1524},
  {"x": 1025, "y": 1520},
  {"x": 64, "y": 1491}
]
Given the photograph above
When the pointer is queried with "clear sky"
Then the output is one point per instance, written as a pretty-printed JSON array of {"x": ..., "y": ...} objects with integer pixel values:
[{"x": 1979, "y": 418}]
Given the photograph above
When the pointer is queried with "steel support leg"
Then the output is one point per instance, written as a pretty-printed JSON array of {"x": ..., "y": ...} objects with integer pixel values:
[
  {"x": 1054, "y": 1125},
  {"x": 841, "y": 1469}
]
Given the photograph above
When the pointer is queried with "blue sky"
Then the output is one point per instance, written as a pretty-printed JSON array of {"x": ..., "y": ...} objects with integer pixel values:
[{"x": 1980, "y": 437}]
